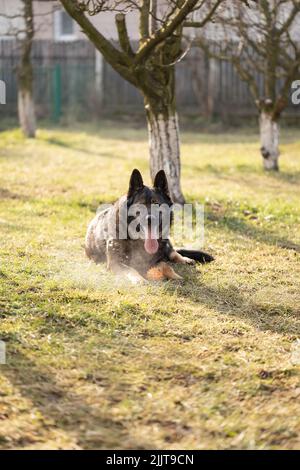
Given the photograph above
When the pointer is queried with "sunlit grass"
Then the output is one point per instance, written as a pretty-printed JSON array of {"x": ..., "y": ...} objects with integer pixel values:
[{"x": 95, "y": 363}]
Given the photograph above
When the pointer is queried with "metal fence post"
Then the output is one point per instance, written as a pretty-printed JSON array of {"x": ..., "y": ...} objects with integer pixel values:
[{"x": 57, "y": 93}]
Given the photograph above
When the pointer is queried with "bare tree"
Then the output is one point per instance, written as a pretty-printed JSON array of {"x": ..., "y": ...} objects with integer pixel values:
[
  {"x": 150, "y": 68},
  {"x": 25, "y": 74},
  {"x": 20, "y": 26},
  {"x": 262, "y": 41}
]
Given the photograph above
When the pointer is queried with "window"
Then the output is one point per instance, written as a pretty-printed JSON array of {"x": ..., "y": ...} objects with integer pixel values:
[{"x": 64, "y": 26}]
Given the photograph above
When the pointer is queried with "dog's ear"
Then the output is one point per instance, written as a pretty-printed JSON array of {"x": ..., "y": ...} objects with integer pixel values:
[
  {"x": 161, "y": 182},
  {"x": 135, "y": 183}
]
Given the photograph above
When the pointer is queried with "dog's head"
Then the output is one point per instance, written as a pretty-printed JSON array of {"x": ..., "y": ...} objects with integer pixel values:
[{"x": 149, "y": 210}]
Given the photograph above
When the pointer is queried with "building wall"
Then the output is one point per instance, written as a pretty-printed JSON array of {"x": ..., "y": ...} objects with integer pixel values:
[{"x": 46, "y": 22}]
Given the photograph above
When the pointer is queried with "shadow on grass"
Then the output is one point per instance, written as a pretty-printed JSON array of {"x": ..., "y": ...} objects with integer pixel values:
[
  {"x": 61, "y": 143},
  {"x": 92, "y": 427},
  {"x": 286, "y": 177},
  {"x": 240, "y": 226},
  {"x": 7, "y": 194},
  {"x": 225, "y": 172},
  {"x": 230, "y": 301}
]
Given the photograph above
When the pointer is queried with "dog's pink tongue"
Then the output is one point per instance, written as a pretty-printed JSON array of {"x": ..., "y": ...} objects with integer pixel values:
[{"x": 151, "y": 244}]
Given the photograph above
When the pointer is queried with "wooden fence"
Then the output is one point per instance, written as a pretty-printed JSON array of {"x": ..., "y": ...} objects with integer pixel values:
[{"x": 71, "y": 78}]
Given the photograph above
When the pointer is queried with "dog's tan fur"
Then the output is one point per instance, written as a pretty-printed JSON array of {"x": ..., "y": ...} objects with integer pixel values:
[{"x": 162, "y": 271}]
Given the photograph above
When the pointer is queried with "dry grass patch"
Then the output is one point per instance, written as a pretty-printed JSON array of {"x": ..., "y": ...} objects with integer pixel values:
[{"x": 92, "y": 363}]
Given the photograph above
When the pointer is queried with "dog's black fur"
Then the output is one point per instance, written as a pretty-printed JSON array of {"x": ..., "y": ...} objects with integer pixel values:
[
  {"x": 121, "y": 254},
  {"x": 198, "y": 256}
]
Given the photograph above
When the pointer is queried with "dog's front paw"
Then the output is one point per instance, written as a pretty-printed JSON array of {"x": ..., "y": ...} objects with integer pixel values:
[
  {"x": 135, "y": 278},
  {"x": 188, "y": 260}
]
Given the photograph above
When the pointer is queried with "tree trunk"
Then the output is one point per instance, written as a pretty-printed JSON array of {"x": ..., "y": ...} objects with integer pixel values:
[
  {"x": 25, "y": 74},
  {"x": 269, "y": 138},
  {"x": 164, "y": 147},
  {"x": 26, "y": 112}
]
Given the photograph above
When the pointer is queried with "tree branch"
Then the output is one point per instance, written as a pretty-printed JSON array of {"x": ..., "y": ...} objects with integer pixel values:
[
  {"x": 235, "y": 59},
  {"x": 123, "y": 34},
  {"x": 166, "y": 31},
  {"x": 118, "y": 60},
  {"x": 144, "y": 20},
  {"x": 294, "y": 12},
  {"x": 200, "y": 24}
]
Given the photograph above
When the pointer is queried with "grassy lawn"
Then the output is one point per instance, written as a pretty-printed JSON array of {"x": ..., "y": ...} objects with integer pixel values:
[{"x": 210, "y": 362}]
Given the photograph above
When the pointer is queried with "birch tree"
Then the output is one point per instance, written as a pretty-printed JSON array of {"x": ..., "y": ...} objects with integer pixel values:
[
  {"x": 25, "y": 74},
  {"x": 150, "y": 67},
  {"x": 20, "y": 26},
  {"x": 262, "y": 40}
]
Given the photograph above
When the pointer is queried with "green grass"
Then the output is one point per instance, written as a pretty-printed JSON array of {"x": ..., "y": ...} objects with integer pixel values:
[{"x": 205, "y": 363}]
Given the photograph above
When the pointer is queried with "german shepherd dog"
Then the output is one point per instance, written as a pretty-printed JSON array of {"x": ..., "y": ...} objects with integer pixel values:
[{"x": 142, "y": 256}]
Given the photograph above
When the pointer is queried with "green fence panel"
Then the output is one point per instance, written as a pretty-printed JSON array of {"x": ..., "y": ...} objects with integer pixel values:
[{"x": 56, "y": 93}]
